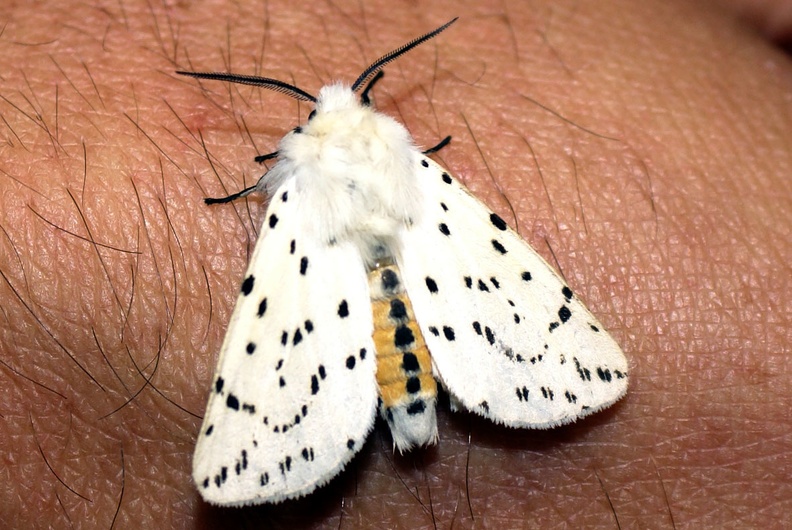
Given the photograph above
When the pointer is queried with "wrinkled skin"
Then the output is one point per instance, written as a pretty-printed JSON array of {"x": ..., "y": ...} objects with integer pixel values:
[{"x": 643, "y": 148}]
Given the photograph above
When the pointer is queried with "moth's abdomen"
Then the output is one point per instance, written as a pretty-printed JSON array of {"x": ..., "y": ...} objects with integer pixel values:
[{"x": 408, "y": 390}]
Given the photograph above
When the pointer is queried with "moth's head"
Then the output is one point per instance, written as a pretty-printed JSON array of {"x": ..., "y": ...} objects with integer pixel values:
[
  {"x": 338, "y": 112},
  {"x": 335, "y": 98}
]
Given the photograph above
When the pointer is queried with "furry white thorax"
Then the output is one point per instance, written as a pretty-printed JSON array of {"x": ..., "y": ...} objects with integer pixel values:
[{"x": 354, "y": 170}]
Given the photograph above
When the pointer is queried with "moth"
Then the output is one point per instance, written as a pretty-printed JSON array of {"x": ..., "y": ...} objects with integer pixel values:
[{"x": 376, "y": 275}]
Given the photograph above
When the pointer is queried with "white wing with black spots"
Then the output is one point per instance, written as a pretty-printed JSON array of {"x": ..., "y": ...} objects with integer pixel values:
[
  {"x": 509, "y": 340},
  {"x": 294, "y": 395}
]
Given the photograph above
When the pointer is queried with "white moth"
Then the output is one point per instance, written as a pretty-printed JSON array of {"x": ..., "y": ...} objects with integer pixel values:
[{"x": 324, "y": 334}]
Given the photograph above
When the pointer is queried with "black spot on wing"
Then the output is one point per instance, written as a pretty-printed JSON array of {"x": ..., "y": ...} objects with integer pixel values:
[
  {"x": 564, "y": 314},
  {"x": 424, "y": 163},
  {"x": 447, "y": 178},
  {"x": 604, "y": 374},
  {"x": 262, "y": 308},
  {"x": 303, "y": 265},
  {"x": 273, "y": 220},
  {"x": 285, "y": 464},
  {"x": 343, "y": 309},
  {"x": 497, "y": 222},
  {"x": 490, "y": 335},
  {"x": 431, "y": 285},
  {"x": 497, "y": 245},
  {"x": 583, "y": 372},
  {"x": 297, "y": 337},
  {"x": 526, "y": 276},
  {"x": 221, "y": 477},
  {"x": 567, "y": 292},
  {"x": 444, "y": 229},
  {"x": 247, "y": 285}
]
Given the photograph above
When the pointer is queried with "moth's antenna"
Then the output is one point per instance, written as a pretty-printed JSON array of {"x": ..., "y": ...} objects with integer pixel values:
[
  {"x": 263, "y": 82},
  {"x": 372, "y": 70}
]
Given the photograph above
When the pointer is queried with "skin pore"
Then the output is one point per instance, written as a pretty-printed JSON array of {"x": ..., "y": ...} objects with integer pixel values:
[{"x": 642, "y": 149}]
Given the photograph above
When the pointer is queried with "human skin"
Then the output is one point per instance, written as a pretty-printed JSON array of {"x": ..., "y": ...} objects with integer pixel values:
[{"x": 642, "y": 148}]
